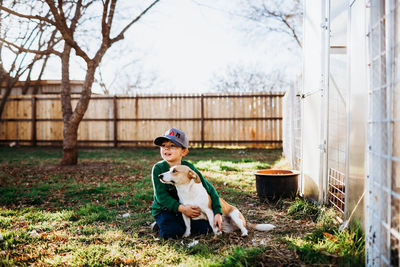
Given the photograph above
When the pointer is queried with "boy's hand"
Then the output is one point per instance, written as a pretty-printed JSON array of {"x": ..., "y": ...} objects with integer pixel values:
[
  {"x": 218, "y": 221},
  {"x": 189, "y": 210}
]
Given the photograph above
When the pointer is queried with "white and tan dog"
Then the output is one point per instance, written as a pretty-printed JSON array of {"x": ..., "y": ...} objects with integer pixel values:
[{"x": 192, "y": 192}]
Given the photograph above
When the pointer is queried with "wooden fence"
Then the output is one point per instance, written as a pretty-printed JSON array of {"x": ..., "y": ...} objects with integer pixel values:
[{"x": 246, "y": 120}]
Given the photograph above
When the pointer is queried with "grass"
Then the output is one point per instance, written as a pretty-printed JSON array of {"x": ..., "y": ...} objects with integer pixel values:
[
  {"x": 326, "y": 244},
  {"x": 98, "y": 213}
]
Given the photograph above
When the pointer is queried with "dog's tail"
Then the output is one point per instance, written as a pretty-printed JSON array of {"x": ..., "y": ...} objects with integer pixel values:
[{"x": 261, "y": 227}]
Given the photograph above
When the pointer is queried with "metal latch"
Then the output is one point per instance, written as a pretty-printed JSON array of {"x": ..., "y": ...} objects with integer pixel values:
[
  {"x": 309, "y": 93},
  {"x": 322, "y": 147},
  {"x": 324, "y": 24}
]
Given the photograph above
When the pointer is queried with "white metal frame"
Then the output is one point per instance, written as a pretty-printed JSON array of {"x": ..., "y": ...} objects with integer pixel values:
[
  {"x": 332, "y": 161},
  {"x": 382, "y": 220},
  {"x": 323, "y": 183}
]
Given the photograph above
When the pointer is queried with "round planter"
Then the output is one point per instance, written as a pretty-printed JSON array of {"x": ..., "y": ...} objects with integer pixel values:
[{"x": 272, "y": 184}]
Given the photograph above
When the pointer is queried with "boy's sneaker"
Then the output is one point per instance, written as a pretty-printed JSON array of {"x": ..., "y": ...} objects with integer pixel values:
[{"x": 154, "y": 227}]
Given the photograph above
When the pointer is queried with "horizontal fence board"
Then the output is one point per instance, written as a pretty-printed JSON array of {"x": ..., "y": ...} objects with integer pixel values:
[{"x": 246, "y": 120}]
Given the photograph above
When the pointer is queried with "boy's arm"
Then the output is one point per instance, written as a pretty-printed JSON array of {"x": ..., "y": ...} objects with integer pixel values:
[
  {"x": 161, "y": 195},
  {"x": 216, "y": 204}
]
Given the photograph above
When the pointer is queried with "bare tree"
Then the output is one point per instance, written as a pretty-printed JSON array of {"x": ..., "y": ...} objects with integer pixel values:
[
  {"x": 248, "y": 79},
  {"x": 282, "y": 16},
  {"x": 68, "y": 17},
  {"x": 261, "y": 20},
  {"x": 275, "y": 16},
  {"x": 16, "y": 46}
]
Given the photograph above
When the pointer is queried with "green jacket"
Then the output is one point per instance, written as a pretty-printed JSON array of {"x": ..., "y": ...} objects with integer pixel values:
[{"x": 166, "y": 196}]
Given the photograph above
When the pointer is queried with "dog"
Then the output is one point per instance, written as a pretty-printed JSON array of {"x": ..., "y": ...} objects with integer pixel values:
[{"x": 192, "y": 192}]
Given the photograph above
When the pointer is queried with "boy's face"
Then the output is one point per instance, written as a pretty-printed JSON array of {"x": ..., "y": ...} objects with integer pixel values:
[{"x": 171, "y": 152}]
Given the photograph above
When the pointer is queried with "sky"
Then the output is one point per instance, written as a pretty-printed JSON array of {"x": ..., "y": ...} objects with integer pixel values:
[
  {"x": 192, "y": 42},
  {"x": 184, "y": 44}
]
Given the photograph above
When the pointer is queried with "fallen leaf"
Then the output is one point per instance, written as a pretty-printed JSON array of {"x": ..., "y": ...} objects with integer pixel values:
[{"x": 129, "y": 261}]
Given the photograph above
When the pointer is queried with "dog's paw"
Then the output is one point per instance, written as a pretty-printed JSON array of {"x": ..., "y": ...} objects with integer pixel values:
[
  {"x": 244, "y": 233},
  {"x": 186, "y": 234},
  {"x": 216, "y": 232}
]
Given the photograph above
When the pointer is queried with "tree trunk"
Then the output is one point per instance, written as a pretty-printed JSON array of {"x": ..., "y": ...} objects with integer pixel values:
[
  {"x": 70, "y": 149},
  {"x": 70, "y": 145},
  {"x": 4, "y": 98},
  {"x": 9, "y": 84},
  {"x": 73, "y": 119}
]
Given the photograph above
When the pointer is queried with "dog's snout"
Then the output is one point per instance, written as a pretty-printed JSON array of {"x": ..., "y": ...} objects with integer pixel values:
[{"x": 160, "y": 176}]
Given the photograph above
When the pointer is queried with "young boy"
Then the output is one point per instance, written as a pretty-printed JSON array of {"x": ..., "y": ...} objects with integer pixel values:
[{"x": 166, "y": 208}]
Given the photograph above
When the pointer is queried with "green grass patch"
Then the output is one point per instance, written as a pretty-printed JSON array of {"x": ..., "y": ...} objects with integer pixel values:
[
  {"x": 231, "y": 166},
  {"x": 29, "y": 156},
  {"x": 93, "y": 213},
  {"x": 244, "y": 257},
  {"x": 304, "y": 209},
  {"x": 8, "y": 194},
  {"x": 326, "y": 244}
]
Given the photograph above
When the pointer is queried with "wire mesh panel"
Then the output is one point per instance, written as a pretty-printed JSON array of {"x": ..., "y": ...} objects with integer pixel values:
[
  {"x": 384, "y": 134},
  {"x": 337, "y": 136},
  {"x": 297, "y": 129},
  {"x": 337, "y": 190},
  {"x": 292, "y": 125},
  {"x": 337, "y": 126},
  {"x": 337, "y": 112}
]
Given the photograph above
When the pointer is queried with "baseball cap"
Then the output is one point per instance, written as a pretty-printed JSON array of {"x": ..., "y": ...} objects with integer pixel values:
[{"x": 174, "y": 135}]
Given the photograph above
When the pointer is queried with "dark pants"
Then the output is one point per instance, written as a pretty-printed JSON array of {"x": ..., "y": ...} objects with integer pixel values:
[{"x": 171, "y": 225}]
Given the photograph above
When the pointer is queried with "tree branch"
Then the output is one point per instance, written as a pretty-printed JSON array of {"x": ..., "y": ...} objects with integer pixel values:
[
  {"x": 110, "y": 18},
  {"x": 104, "y": 17},
  {"x": 121, "y": 34},
  {"x": 33, "y": 51},
  {"x": 17, "y": 14},
  {"x": 66, "y": 32},
  {"x": 77, "y": 16},
  {"x": 106, "y": 21},
  {"x": 292, "y": 30}
]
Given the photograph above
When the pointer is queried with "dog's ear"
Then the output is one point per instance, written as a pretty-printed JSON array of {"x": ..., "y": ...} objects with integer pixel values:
[{"x": 193, "y": 175}]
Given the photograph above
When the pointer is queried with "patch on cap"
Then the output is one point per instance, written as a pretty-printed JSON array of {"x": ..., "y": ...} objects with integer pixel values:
[{"x": 174, "y": 135}]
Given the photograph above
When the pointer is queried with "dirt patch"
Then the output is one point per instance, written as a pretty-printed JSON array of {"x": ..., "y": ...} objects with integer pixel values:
[{"x": 77, "y": 167}]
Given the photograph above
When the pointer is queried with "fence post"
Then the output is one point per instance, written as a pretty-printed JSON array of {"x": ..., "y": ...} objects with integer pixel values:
[
  {"x": 33, "y": 136},
  {"x": 202, "y": 120},
  {"x": 115, "y": 122}
]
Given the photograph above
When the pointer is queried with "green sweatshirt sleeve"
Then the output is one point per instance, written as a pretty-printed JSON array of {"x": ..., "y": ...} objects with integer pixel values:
[
  {"x": 216, "y": 204},
  {"x": 163, "y": 198}
]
